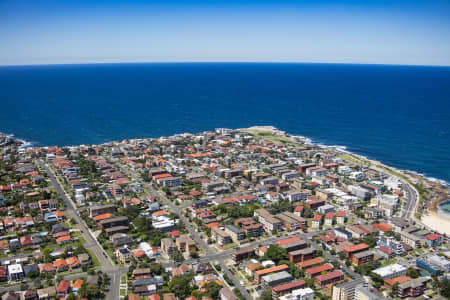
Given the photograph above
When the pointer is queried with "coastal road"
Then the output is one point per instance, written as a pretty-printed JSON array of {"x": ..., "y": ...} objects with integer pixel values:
[
  {"x": 192, "y": 232},
  {"x": 411, "y": 198},
  {"x": 107, "y": 266}
]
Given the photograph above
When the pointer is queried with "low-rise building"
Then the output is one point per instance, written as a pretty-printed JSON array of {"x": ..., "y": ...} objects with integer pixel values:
[
  {"x": 236, "y": 234},
  {"x": 269, "y": 222},
  {"x": 362, "y": 257},
  {"x": 243, "y": 254},
  {"x": 299, "y": 294},
  {"x": 220, "y": 236},
  {"x": 287, "y": 288},
  {"x": 276, "y": 269},
  {"x": 347, "y": 290},
  {"x": 278, "y": 278},
  {"x": 168, "y": 247},
  {"x": 390, "y": 271},
  {"x": 186, "y": 244},
  {"x": 318, "y": 270},
  {"x": 413, "y": 288},
  {"x": 15, "y": 272},
  {"x": 124, "y": 255},
  {"x": 301, "y": 255},
  {"x": 332, "y": 277}
]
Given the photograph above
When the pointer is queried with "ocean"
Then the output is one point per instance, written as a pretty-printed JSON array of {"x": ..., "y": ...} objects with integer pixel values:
[{"x": 399, "y": 115}]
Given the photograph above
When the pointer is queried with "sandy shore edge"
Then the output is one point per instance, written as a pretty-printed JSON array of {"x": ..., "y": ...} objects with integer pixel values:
[{"x": 438, "y": 223}]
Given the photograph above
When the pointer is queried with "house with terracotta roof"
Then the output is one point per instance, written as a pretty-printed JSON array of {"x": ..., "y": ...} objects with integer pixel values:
[
  {"x": 73, "y": 262},
  {"x": 138, "y": 254},
  {"x": 103, "y": 217},
  {"x": 383, "y": 227},
  {"x": 299, "y": 210},
  {"x": 77, "y": 285},
  {"x": 433, "y": 240},
  {"x": 64, "y": 240},
  {"x": 63, "y": 289},
  {"x": 26, "y": 240},
  {"x": 46, "y": 267},
  {"x": 60, "y": 265},
  {"x": 316, "y": 221},
  {"x": 3, "y": 273},
  {"x": 329, "y": 217},
  {"x": 340, "y": 217}
]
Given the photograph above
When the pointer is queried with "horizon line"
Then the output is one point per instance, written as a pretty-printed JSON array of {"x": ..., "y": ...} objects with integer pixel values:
[{"x": 219, "y": 62}]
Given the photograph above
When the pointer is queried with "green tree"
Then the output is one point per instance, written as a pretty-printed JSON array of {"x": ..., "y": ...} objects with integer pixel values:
[
  {"x": 370, "y": 240},
  {"x": 180, "y": 286},
  {"x": 395, "y": 289},
  {"x": 413, "y": 273},
  {"x": 266, "y": 295},
  {"x": 276, "y": 253},
  {"x": 308, "y": 212},
  {"x": 177, "y": 256},
  {"x": 90, "y": 292},
  {"x": 212, "y": 289},
  {"x": 445, "y": 288}
]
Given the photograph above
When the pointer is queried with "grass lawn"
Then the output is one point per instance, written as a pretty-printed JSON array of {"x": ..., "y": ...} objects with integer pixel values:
[
  {"x": 123, "y": 279},
  {"x": 274, "y": 138},
  {"x": 123, "y": 293},
  {"x": 94, "y": 258},
  {"x": 110, "y": 253},
  {"x": 389, "y": 262},
  {"x": 229, "y": 246}
]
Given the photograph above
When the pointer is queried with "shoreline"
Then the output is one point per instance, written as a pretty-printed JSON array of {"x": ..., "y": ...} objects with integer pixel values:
[
  {"x": 306, "y": 140},
  {"x": 430, "y": 216},
  {"x": 436, "y": 222}
]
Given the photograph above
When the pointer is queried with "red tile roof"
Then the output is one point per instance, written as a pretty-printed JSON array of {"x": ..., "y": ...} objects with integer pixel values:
[
  {"x": 289, "y": 286},
  {"x": 341, "y": 213},
  {"x": 317, "y": 218},
  {"x": 213, "y": 224},
  {"x": 319, "y": 269},
  {"x": 288, "y": 241},
  {"x": 355, "y": 248},
  {"x": 386, "y": 250},
  {"x": 63, "y": 286},
  {"x": 298, "y": 208},
  {"x": 432, "y": 237},
  {"x": 329, "y": 215},
  {"x": 310, "y": 262},
  {"x": 272, "y": 269},
  {"x": 334, "y": 274},
  {"x": 399, "y": 280},
  {"x": 383, "y": 227}
]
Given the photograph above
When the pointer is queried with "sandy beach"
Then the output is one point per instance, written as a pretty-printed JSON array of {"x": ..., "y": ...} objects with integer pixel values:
[{"x": 436, "y": 222}]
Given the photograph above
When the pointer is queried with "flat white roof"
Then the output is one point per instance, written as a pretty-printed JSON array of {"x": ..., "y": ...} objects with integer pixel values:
[
  {"x": 391, "y": 269},
  {"x": 16, "y": 268}
]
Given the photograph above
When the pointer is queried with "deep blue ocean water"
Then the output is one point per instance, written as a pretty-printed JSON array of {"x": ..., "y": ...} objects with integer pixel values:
[{"x": 399, "y": 115}]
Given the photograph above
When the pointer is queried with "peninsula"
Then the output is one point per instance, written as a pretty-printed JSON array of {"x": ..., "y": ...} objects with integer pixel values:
[{"x": 251, "y": 213}]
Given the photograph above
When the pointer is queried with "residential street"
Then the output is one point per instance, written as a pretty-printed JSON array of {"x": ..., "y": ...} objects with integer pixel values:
[
  {"x": 107, "y": 266},
  {"x": 194, "y": 234}
]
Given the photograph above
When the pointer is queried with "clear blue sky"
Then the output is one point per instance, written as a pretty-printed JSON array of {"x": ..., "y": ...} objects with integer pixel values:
[{"x": 371, "y": 31}]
